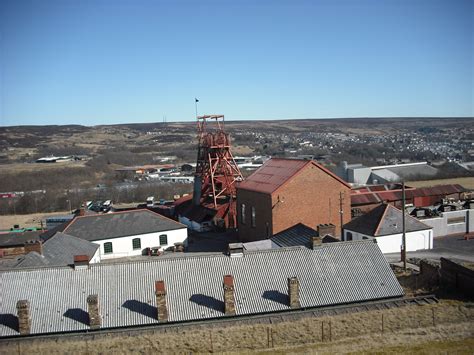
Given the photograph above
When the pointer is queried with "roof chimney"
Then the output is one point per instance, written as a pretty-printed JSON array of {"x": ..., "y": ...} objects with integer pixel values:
[
  {"x": 24, "y": 317},
  {"x": 229, "y": 300},
  {"x": 160, "y": 293},
  {"x": 316, "y": 242},
  {"x": 294, "y": 292},
  {"x": 95, "y": 320},
  {"x": 325, "y": 229},
  {"x": 236, "y": 249},
  {"x": 81, "y": 262},
  {"x": 33, "y": 245}
]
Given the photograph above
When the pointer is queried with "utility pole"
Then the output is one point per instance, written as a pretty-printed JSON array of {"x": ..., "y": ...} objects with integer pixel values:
[
  {"x": 341, "y": 212},
  {"x": 404, "y": 241}
]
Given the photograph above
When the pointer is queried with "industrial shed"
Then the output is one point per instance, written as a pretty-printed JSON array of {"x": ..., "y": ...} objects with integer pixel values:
[{"x": 193, "y": 287}]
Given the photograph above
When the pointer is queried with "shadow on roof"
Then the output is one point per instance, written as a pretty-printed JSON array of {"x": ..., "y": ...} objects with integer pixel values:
[
  {"x": 9, "y": 320},
  {"x": 77, "y": 314},
  {"x": 276, "y": 296},
  {"x": 141, "y": 307},
  {"x": 208, "y": 301}
]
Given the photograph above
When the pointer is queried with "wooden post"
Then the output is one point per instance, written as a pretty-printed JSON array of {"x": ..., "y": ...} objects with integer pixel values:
[
  {"x": 330, "y": 331},
  {"x": 212, "y": 345},
  {"x": 322, "y": 331},
  {"x": 382, "y": 324},
  {"x": 268, "y": 337}
]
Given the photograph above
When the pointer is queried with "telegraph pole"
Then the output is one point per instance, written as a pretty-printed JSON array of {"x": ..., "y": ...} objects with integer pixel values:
[
  {"x": 404, "y": 241},
  {"x": 341, "y": 212}
]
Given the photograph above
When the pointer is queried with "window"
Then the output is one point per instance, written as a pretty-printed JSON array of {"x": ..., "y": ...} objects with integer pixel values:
[
  {"x": 136, "y": 243},
  {"x": 348, "y": 236},
  {"x": 242, "y": 213},
  {"x": 163, "y": 239},
  {"x": 108, "y": 248},
  {"x": 454, "y": 220},
  {"x": 253, "y": 217}
]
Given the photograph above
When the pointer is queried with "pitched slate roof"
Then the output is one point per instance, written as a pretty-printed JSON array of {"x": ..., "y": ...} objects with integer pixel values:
[
  {"x": 335, "y": 273},
  {"x": 58, "y": 250},
  {"x": 384, "y": 220},
  {"x": 120, "y": 224},
  {"x": 299, "y": 234},
  {"x": 276, "y": 172}
]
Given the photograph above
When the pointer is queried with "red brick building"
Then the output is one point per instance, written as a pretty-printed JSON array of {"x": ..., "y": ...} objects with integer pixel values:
[{"x": 285, "y": 192}]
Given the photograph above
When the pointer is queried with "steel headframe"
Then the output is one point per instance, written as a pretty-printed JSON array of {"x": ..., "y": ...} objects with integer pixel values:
[{"x": 216, "y": 167}]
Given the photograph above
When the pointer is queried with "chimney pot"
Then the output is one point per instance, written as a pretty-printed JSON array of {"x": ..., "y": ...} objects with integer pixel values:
[
  {"x": 229, "y": 298},
  {"x": 95, "y": 320},
  {"x": 161, "y": 307},
  {"x": 24, "y": 317},
  {"x": 294, "y": 292}
]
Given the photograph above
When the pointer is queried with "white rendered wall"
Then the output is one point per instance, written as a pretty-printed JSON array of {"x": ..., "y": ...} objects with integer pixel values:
[
  {"x": 96, "y": 258},
  {"x": 418, "y": 240},
  {"x": 122, "y": 247}
]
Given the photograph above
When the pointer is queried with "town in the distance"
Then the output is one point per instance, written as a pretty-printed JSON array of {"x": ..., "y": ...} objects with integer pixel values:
[{"x": 290, "y": 229}]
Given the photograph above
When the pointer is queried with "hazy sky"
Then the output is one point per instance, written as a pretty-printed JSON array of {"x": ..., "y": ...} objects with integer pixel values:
[{"x": 101, "y": 62}]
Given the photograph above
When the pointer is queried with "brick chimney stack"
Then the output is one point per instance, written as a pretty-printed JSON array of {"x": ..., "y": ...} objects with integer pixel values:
[
  {"x": 162, "y": 309},
  {"x": 229, "y": 300},
  {"x": 316, "y": 242},
  {"x": 24, "y": 317},
  {"x": 34, "y": 245},
  {"x": 81, "y": 262},
  {"x": 325, "y": 229},
  {"x": 294, "y": 292},
  {"x": 95, "y": 320}
]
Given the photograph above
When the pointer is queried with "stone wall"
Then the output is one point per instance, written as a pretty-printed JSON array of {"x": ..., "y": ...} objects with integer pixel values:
[{"x": 454, "y": 276}]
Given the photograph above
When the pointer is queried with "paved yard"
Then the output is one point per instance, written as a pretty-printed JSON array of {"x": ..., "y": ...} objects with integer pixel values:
[{"x": 454, "y": 247}]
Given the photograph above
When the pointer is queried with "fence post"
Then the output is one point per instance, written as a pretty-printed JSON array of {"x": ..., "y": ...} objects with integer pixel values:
[
  {"x": 382, "y": 324},
  {"x": 330, "y": 331},
  {"x": 322, "y": 331},
  {"x": 212, "y": 345},
  {"x": 268, "y": 337}
]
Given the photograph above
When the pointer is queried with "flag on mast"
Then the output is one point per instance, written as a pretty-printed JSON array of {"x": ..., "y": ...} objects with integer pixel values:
[{"x": 196, "y": 100}]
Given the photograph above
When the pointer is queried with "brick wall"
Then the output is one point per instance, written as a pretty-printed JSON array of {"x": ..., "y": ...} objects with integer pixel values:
[
  {"x": 311, "y": 198},
  {"x": 263, "y": 215},
  {"x": 10, "y": 251}
]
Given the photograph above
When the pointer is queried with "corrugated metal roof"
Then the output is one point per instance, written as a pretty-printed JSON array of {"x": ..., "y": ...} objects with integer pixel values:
[
  {"x": 363, "y": 198},
  {"x": 275, "y": 172},
  {"x": 334, "y": 273},
  {"x": 120, "y": 224}
]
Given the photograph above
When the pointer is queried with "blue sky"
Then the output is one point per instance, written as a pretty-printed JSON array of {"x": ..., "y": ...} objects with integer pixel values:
[{"x": 118, "y": 61}]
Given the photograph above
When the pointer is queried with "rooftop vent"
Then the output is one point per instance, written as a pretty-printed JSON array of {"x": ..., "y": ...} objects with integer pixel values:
[{"x": 236, "y": 250}]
